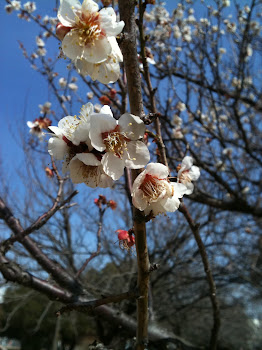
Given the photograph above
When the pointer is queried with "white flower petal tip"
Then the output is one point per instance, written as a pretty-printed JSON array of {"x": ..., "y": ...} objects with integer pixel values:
[
  {"x": 187, "y": 172},
  {"x": 154, "y": 193}
]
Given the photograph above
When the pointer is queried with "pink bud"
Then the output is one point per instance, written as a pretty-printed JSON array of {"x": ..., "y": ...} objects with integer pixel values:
[
  {"x": 122, "y": 235},
  {"x": 61, "y": 31}
]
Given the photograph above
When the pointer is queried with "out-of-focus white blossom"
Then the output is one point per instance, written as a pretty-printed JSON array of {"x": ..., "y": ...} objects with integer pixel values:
[
  {"x": 45, "y": 108},
  {"x": 177, "y": 33},
  {"x": 73, "y": 87},
  {"x": 97, "y": 107},
  {"x": 180, "y": 106},
  {"x": 226, "y": 3},
  {"x": 245, "y": 190},
  {"x": 177, "y": 120},
  {"x": 177, "y": 133},
  {"x": 30, "y": 6},
  {"x": 90, "y": 95},
  {"x": 39, "y": 42},
  {"x": 227, "y": 151},
  {"x": 236, "y": 82},
  {"x": 14, "y": 6},
  {"x": 41, "y": 51},
  {"x": 62, "y": 82}
]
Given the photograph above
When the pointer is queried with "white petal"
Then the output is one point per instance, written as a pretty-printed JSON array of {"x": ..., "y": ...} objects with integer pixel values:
[
  {"x": 137, "y": 156},
  {"x": 194, "y": 173},
  {"x": 116, "y": 52},
  {"x": 178, "y": 189},
  {"x": 70, "y": 45},
  {"x": 98, "y": 51},
  {"x": 113, "y": 166},
  {"x": 57, "y": 131},
  {"x": 158, "y": 169},
  {"x": 190, "y": 188},
  {"x": 106, "y": 181},
  {"x": 30, "y": 124},
  {"x": 106, "y": 110},
  {"x": 81, "y": 134},
  {"x": 86, "y": 111},
  {"x": 76, "y": 171},
  {"x": 67, "y": 12},
  {"x": 186, "y": 164},
  {"x": 138, "y": 181},
  {"x": 156, "y": 207},
  {"x": 89, "y": 6},
  {"x": 100, "y": 123},
  {"x": 107, "y": 18},
  {"x": 138, "y": 200},
  {"x": 88, "y": 159},
  {"x": 57, "y": 148},
  {"x": 80, "y": 172},
  {"x": 68, "y": 126},
  {"x": 132, "y": 125},
  {"x": 170, "y": 204},
  {"x": 108, "y": 72}
]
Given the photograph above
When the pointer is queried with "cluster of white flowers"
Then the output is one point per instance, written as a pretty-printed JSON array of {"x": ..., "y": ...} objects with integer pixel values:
[
  {"x": 96, "y": 147},
  {"x": 89, "y": 38},
  {"x": 13, "y": 6}
]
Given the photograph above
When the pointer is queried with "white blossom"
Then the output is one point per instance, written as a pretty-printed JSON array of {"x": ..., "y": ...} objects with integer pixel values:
[
  {"x": 90, "y": 95},
  {"x": 226, "y": 3},
  {"x": 188, "y": 173},
  {"x": 13, "y": 6},
  {"x": 180, "y": 106},
  {"x": 73, "y": 87},
  {"x": 39, "y": 42},
  {"x": 152, "y": 191},
  {"x": 177, "y": 133},
  {"x": 86, "y": 32},
  {"x": 30, "y": 6},
  {"x": 107, "y": 71},
  {"x": 45, "y": 108},
  {"x": 119, "y": 139},
  {"x": 62, "y": 82}
]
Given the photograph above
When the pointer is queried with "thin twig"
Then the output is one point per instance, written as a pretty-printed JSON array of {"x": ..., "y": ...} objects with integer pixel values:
[{"x": 212, "y": 286}]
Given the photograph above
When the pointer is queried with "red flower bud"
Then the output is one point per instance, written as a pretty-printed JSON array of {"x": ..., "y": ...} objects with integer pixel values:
[
  {"x": 112, "y": 204},
  {"x": 112, "y": 93},
  {"x": 104, "y": 100},
  {"x": 61, "y": 31},
  {"x": 49, "y": 172}
]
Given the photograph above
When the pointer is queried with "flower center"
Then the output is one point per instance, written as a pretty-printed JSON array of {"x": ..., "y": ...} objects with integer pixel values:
[
  {"x": 115, "y": 141},
  {"x": 185, "y": 177},
  {"x": 153, "y": 187},
  {"x": 88, "y": 28}
]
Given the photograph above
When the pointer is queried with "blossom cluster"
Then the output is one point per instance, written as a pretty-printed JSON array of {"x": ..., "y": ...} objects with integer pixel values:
[
  {"x": 96, "y": 147},
  {"x": 89, "y": 38}
]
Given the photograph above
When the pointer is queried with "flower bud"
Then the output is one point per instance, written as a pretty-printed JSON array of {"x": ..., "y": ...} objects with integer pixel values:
[{"x": 61, "y": 31}]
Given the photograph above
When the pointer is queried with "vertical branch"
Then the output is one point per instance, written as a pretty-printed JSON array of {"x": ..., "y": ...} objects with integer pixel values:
[
  {"x": 129, "y": 50},
  {"x": 146, "y": 74},
  {"x": 212, "y": 286}
]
